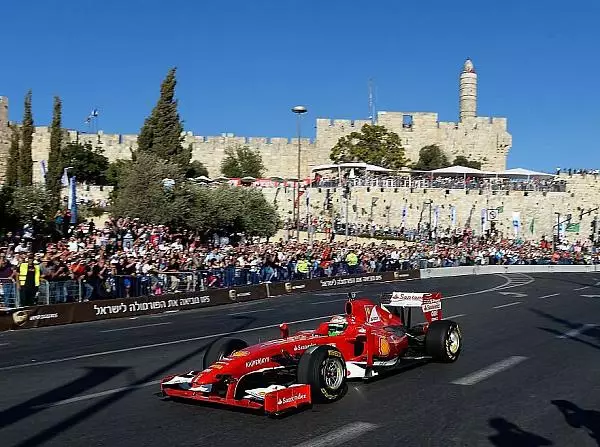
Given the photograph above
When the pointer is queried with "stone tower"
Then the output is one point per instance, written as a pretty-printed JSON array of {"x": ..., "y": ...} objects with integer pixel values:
[
  {"x": 4, "y": 136},
  {"x": 468, "y": 91}
]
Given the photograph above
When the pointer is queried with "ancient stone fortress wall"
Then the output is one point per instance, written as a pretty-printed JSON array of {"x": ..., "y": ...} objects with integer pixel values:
[
  {"x": 583, "y": 192},
  {"x": 479, "y": 138}
]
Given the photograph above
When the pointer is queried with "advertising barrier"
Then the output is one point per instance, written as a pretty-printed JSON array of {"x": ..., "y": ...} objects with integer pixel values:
[
  {"x": 326, "y": 283},
  {"x": 57, "y": 314}
]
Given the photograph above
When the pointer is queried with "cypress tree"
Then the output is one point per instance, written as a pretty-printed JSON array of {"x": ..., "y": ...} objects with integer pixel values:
[
  {"x": 55, "y": 165},
  {"x": 162, "y": 131},
  {"x": 12, "y": 168},
  {"x": 25, "y": 157}
]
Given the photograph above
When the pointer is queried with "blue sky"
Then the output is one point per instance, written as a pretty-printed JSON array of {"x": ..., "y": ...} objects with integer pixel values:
[{"x": 243, "y": 64}]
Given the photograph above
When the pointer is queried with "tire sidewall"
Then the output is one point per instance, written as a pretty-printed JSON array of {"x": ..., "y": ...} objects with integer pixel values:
[
  {"x": 437, "y": 341},
  {"x": 311, "y": 371}
]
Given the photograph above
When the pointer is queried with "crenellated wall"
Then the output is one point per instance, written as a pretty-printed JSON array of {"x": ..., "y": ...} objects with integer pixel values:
[{"x": 478, "y": 138}]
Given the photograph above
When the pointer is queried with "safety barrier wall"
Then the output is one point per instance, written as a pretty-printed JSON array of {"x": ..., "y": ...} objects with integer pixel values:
[
  {"x": 57, "y": 314},
  {"x": 500, "y": 269}
]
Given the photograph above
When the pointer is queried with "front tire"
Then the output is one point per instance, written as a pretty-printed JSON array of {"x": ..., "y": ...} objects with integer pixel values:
[
  {"x": 222, "y": 348},
  {"x": 324, "y": 369},
  {"x": 443, "y": 341}
]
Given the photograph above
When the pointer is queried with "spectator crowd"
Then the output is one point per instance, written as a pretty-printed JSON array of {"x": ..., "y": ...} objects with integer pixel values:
[{"x": 128, "y": 258}]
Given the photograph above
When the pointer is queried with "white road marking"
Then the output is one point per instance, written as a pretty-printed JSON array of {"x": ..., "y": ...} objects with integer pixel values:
[
  {"x": 325, "y": 302},
  {"x": 335, "y": 293},
  {"x": 582, "y": 288},
  {"x": 489, "y": 371},
  {"x": 251, "y": 311},
  {"x": 95, "y": 395},
  {"x": 517, "y": 294},
  {"x": 574, "y": 332},
  {"x": 135, "y": 327},
  {"x": 340, "y": 435},
  {"x": 506, "y": 305},
  {"x": 155, "y": 345},
  {"x": 548, "y": 296},
  {"x": 454, "y": 316},
  {"x": 591, "y": 296},
  {"x": 510, "y": 283},
  {"x": 4, "y": 344}
]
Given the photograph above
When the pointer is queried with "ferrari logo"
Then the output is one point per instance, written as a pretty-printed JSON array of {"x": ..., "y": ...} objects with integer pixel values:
[{"x": 384, "y": 346}]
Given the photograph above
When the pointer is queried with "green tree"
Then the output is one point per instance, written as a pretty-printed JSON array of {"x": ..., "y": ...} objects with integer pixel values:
[
  {"x": 88, "y": 163},
  {"x": 431, "y": 157},
  {"x": 55, "y": 164},
  {"x": 12, "y": 168},
  {"x": 32, "y": 201},
  {"x": 374, "y": 145},
  {"x": 25, "y": 157},
  {"x": 242, "y": 161},
  {"x": 260, "y": 217},
  {"x": 228, "y": 210},
  {"x": 196, "y": 169},
  {"x": 217, "y": 210},
  {"x": 461, "y": 160},
  {"x": 115, "y": 171},
  {"x": 9, "y": 220},
  {"x": 145, "y": 192},
  {"x": 162, "y": 131}
]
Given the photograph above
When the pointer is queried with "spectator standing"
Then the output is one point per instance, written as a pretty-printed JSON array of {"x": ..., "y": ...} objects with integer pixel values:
[{"x": 29, "y": 280}]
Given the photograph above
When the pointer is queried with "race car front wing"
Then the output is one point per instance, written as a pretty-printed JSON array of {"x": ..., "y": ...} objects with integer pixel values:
[{"x": 274, "y": 399}]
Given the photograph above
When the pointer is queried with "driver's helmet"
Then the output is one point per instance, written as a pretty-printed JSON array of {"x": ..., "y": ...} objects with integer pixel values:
[{"x": 337, "y": 325}]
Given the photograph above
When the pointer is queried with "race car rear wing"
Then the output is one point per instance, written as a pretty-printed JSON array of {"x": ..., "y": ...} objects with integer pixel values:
[{"x": 430, "y": 303}]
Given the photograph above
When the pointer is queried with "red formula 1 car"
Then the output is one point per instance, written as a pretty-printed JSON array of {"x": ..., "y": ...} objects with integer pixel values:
[{"x": 313, "y": 366}]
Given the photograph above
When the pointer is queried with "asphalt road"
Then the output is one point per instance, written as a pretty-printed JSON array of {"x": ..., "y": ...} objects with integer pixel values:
[{"x": 528, "y": 375}]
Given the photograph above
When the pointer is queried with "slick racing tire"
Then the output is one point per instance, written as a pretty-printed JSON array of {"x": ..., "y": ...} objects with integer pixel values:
[
  {"x": 443, "y": 341},
  {"x": 324, "y": 369},
  {"x": 222, "y": 348}
]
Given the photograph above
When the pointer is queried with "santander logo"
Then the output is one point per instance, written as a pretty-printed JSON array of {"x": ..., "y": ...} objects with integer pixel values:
[{"x": 291, "y": 399}]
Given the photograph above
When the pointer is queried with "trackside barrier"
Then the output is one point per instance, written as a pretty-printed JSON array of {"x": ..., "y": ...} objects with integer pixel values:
[
  {"x": 78, "y": 312},
  {"x": 500, "y": 269}
]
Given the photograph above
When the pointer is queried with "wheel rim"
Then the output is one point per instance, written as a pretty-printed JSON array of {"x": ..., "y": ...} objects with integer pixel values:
[
  {"x": 453, "y": 341},
  {"x": 333, "y": 373}
]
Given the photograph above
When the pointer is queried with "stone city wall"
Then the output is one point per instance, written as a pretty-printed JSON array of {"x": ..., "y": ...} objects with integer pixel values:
[{"x": 583, "y": 192}]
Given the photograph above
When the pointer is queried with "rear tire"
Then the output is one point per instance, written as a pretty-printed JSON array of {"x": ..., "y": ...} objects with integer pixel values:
[
  {"x": 324, "y": 369},
  {"x": 443, "y": 341},
  {"x": 222, "y": 348}
]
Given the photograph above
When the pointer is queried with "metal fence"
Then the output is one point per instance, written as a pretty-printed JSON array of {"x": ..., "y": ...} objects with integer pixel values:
[{"x": 130, "y": 286}]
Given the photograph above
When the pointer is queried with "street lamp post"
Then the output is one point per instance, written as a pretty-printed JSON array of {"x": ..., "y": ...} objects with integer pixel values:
[{"x": 298, "y": 110}]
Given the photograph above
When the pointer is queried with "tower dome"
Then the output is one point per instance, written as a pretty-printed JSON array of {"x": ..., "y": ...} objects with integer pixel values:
[
  {"x": 468, "y": 91},
  {"x": 468, "y": 66}
]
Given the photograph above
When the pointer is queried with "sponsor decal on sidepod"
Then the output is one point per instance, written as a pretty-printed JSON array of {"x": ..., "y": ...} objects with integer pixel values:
[{"x": 257, "y": 362}]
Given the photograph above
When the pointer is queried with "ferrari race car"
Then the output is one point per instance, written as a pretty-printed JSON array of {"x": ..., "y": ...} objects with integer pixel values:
[{"x": 313, "y": 366}]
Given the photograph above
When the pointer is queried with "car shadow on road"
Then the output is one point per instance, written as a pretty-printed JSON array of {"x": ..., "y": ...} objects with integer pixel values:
[
  {"x": 49, "y": 433},
  {"x": 510, "y": 435},
  {"x": 578, "y": 417}
]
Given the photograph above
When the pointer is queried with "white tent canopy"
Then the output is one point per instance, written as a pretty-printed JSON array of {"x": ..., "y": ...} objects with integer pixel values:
[
  {"x": 520, "y": 172},
  {"x": 365, "y": 166},
  {"x": 459, "y": 170}
]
